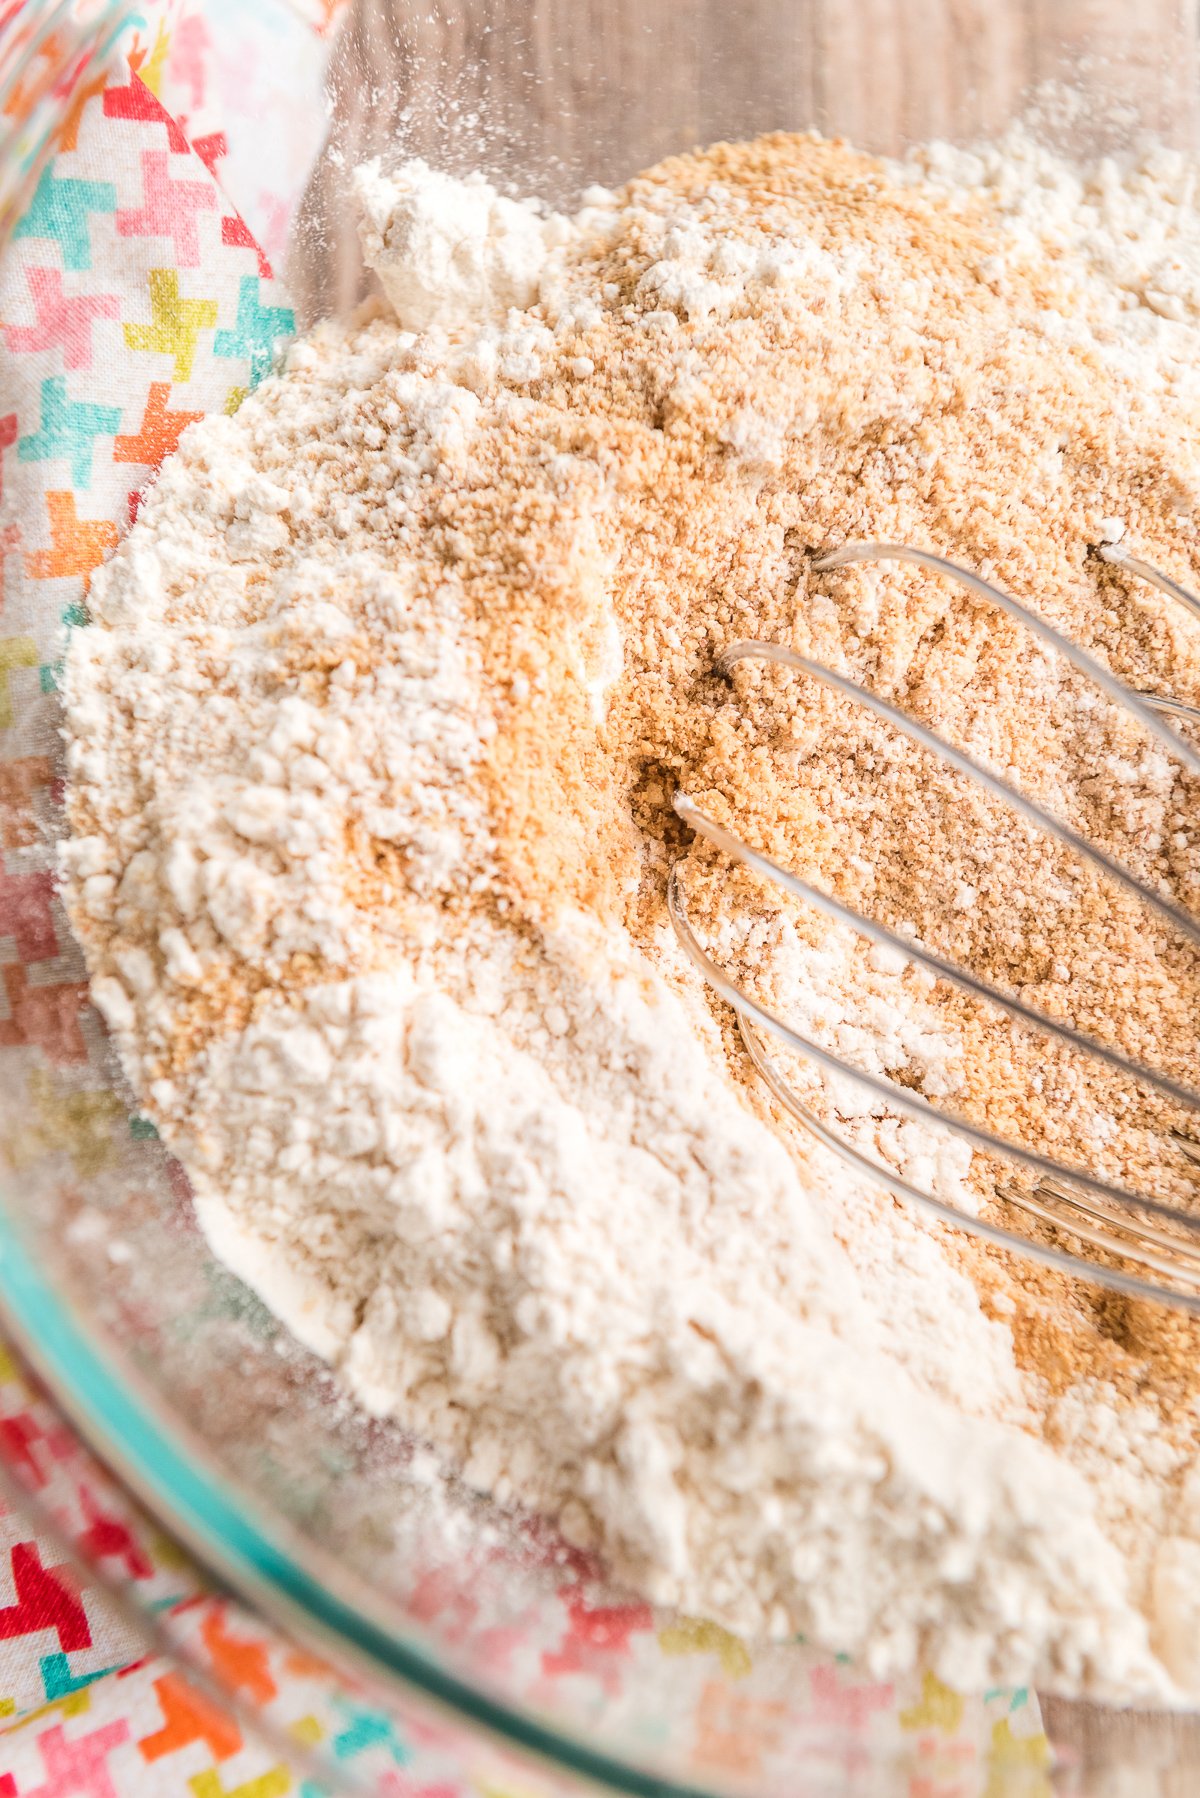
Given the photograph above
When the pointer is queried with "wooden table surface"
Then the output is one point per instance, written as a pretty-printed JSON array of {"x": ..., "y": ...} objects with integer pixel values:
[{"x": 553, "y": 94}]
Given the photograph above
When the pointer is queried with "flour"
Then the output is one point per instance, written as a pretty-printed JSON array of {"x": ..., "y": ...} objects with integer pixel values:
[
  {"x": 875, "y": 1033},
  {"x": 451, "y": 252},
  {"x": 372, "y": 746}
]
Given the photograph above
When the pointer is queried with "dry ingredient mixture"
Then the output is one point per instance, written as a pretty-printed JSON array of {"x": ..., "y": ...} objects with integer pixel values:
[{"x": 372, "y": 749}]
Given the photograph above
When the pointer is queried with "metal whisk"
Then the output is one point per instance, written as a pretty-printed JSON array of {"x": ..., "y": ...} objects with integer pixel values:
[{"x": 1161, "y": 1242}]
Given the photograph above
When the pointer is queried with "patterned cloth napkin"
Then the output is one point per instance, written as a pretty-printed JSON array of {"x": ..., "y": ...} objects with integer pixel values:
[
  {"x": 86, "y": 1711},
  {"x": 135, "y": 297}
]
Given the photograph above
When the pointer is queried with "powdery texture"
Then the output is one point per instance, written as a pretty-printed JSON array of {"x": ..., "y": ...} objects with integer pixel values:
[
  {"x": 372, "y": 750},
  {"x": 451, "y": 252}
]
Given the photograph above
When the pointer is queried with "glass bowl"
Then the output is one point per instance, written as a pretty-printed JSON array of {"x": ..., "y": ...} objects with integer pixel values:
[{"x": 341, "y": 1529}]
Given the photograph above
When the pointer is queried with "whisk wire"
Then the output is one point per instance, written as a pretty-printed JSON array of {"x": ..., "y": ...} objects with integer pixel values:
[
  {"x": 1060, "y": 1259},
  {"x": 1000, "y": 789},
  {"x": 1156, "y": 578},
  {"x": 1119, "y": 1222},
  {"x": 893, "y": 1094},
  {"x": 1079, "y": 658},
  {"x": 1175, "y": 708},
  {"x": 913, "y": 951}
]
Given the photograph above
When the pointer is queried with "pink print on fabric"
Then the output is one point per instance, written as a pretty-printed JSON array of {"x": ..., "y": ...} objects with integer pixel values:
[
  {"x": 168, "y": 208},
  {"x": 64, "y": 321}
]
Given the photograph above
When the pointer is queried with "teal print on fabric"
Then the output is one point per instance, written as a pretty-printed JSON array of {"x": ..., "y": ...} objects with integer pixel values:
[
  {"x": 59, "y": 210},
  {"x": 69, "y": 429},
  {"x": 367, "y": 1729},
  {"x": 1016, "y": 1698},
  {"x": 259, "y": 329},
  {"x": 58, "y": 1680}
]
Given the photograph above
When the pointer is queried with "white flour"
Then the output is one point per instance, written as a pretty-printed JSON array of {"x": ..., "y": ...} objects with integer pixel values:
[
  {"x": 451, "y": 252},
  {"x": 498, "y": 1176}
]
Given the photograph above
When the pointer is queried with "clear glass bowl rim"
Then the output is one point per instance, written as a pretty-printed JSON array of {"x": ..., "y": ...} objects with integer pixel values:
[{"x": 271, "y": 1565}]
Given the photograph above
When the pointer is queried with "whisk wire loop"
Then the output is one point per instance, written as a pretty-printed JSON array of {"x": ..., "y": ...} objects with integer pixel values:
[
  {"x": 1000, "y": 789},
  {"x": 1079, "y": 659},
  {"x": 1156, "y": 578},
  {"x": 1124, "y": 1225},
  {"x": 912, "y": 951},
  {"x": 899, "y": 1097},
  {"x": 1115, "y": 1279}
]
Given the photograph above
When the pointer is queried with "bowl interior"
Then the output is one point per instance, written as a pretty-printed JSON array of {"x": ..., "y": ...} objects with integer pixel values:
[{"x": 237, "y": 1435}]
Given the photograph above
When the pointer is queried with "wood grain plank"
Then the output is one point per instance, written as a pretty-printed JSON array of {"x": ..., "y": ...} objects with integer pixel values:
[
  {"x": 755, "y": 63},
  {"x": 893, "y": 72},
  {"x": 1138, "y": 65},
  {"x": 1123, "y": 1754}
]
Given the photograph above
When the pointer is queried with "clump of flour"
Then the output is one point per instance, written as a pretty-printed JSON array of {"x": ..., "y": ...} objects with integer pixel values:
[{"x": 450, "y": 252}]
